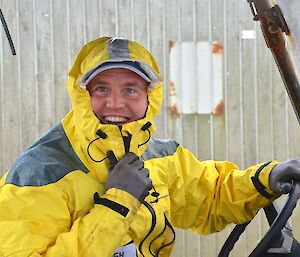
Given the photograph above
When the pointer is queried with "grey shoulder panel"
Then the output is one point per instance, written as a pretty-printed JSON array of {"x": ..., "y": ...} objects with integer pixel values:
[
  {"x": 47, "y": 161},
  {"x": 160, "y": 148}
]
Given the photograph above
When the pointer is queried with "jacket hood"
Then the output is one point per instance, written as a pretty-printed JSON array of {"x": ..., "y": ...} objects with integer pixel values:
[{"x": 81, "y": 122}]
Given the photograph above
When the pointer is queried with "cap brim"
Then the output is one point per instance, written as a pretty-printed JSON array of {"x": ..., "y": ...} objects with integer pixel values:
[{"x": 92, "y": 73}]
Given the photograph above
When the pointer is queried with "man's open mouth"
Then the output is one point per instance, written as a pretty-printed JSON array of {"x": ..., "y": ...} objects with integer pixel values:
[{"x": 114, "y": 119}]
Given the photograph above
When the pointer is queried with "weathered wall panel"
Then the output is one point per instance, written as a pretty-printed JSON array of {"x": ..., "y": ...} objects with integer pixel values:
[
  {"x": 26, "y": 60},
  {"x": 44, "y": 65},
  {"x": 258, "y": 123},
  {"x": 248, "y": 108},
  {"x": 60, "y": 57},
  {"x": 10, "y": 97}
]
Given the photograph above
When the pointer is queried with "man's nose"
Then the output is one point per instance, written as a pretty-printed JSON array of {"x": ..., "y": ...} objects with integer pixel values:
[{"x": 115, "y": 100}]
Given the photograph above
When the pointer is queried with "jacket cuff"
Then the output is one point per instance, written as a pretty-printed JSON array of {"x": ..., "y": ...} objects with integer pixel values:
[
  {"x": 119, "y": 201},
  {"x": 260, "y": 179}
]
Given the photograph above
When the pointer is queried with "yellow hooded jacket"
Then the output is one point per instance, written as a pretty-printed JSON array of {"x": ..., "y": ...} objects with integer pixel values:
[{"x": 46, "y": 199}]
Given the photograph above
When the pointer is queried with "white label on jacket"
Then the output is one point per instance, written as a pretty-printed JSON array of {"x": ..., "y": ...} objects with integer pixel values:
[{"x": 126, "y": 251}]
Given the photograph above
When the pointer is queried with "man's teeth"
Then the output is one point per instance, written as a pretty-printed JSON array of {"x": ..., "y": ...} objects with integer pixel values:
[{"x": 115, "y": 119}]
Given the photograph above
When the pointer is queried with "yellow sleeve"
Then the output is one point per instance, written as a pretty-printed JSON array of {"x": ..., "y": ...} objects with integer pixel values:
[
  {"x": 37, "y": 221},
  {"x": 206, "y": 196}
]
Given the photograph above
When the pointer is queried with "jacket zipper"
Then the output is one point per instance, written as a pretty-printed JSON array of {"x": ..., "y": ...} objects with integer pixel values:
[
  {"x": 156, "y": 238},
  {"x": 174, "y": 235},
  {"x": 153, "y": 223},
  {"x": 126, "y": 140}
]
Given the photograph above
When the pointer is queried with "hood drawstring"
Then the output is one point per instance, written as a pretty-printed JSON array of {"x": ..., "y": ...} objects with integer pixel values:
[
  {"x": 101, "y": 135},
  {"x": 144, "y": 128}
]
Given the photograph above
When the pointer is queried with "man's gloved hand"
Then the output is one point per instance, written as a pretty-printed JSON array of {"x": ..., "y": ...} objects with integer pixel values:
[
  {"x": 282, "y": 176},
  {"x": 129, "y": 175}
]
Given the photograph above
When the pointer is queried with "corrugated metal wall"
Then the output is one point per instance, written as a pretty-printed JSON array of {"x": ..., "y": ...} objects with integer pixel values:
[{"x": 258, "y": 123}]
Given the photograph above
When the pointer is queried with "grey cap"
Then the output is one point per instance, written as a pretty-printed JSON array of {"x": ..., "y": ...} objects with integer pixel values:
[{"x": 139, "y": 68}]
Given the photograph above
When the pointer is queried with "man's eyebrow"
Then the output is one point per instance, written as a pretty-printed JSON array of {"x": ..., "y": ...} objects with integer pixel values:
[
  {"x": 136, "y": 85},
  {"x": 99, "y": 80},
  {"x": 131, "y": 83}
]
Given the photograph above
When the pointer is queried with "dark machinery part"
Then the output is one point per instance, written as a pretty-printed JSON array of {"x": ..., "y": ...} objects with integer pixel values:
[
  {"x": 274, "y": 28},
  {"x": 7, "y": 33},
  {"x": 279, "y": 240}
]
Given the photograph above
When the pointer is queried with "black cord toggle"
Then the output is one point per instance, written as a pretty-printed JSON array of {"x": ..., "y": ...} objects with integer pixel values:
[
  {"x": 101, "y": 134},
  {"x": 146, "y": 126},
  {"x": 155, "y": 194}
]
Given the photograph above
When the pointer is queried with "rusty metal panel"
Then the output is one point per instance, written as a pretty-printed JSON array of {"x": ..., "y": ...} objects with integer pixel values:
[
  {"x": 196, "y": 78},
  {"x": 204, "y": 78},
  {"x": 183, "y": 76},
  {"x": 217, "y": 78},
  {"x": 188, "y": 86}
]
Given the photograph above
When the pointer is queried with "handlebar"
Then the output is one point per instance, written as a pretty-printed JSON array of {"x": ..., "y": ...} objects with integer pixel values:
[{"x": 279, "y": 222}]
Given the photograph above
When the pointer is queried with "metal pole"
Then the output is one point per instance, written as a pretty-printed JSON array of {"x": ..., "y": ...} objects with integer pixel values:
[
  {"x": 7, "y": 33},
  {"x": 273, "y": 26}
]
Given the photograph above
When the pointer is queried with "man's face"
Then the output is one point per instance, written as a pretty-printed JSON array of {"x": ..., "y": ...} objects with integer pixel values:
[{"x": 118, "y": 96}]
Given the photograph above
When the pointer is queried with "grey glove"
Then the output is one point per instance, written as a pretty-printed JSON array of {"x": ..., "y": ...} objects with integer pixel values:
[
  {"x": 282, "y": 176},
  {"x": 129, "y": 174}
]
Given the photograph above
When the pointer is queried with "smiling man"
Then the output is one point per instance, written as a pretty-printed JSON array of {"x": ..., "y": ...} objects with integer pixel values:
[
  {"x": 98, "y": 184},
  {"x": 118, "y": 95}
]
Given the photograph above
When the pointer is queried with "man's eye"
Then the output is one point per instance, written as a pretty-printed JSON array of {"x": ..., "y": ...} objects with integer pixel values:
[
  {"x": 101, "y": 89},
  {"x": 130, "y": 90}
]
